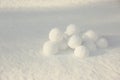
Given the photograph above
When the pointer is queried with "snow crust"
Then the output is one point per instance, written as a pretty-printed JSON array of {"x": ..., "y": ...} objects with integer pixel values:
[{"x": 22, "y": 66}]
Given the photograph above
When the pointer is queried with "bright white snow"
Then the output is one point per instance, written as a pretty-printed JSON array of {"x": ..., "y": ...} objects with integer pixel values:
[{"x": 23, "y": 34}]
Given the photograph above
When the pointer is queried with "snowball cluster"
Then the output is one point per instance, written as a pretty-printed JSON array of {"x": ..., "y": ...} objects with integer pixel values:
[{"x": 82, "y": 43}]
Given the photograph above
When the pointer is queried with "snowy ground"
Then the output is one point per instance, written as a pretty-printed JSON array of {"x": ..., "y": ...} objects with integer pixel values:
[{"x": 22, "y": 34}]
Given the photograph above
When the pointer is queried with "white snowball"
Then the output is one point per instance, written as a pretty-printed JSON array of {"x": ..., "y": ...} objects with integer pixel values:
[
  {"x": 55, "y": 35},
  {"x": 102, "y": 43},
  {"x": 81, "y": 52},
  {"x": 74, "y": 41},
  {"x": 50, "y": 48},
  {"x": 90, "y": 45},
  {"x": 71, "y": 30},
  {"x": 90, "y": 35}
]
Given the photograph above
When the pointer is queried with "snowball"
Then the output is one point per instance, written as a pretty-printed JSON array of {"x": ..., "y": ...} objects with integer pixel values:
[
  {"x": 50, "y": 48},
  {"x": 102, "y": 43},
  {"x": 90, "y": 35},
  {"x": 74, "y": 41},
  {"x": 90, "y": 45},
  {"x": 81, "y": 52},
  {"x": 71, "y": 30},
  {"x": 55, "y": 35}
]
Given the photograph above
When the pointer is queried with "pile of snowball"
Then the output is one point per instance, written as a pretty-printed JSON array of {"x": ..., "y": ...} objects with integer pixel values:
[{"x": 82, "y": 43}]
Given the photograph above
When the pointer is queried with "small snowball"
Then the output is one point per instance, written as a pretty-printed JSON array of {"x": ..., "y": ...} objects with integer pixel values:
[
  {"x": 71, "y": 30},
  {"x": 90, "y": 35},
  {"x": 81, "y": 52},
  {"x": 90, "y": 45},
  {"x": 50, "y": 48},
  {"x": 102, "y": 43},
  {"x": 74, "y": 41},
  {"x": 55, "y": 35}
]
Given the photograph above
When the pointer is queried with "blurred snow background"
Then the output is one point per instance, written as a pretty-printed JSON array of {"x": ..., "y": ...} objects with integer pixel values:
[{"x": 47, "y": 3}]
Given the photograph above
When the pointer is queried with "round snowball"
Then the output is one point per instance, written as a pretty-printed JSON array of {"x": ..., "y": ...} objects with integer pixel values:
[
  {"x": 90, "y": 45},
  {"x": 90, "y": 35},
  {"x": 81, "y": 52},
  {"x": 50, "y": 48},
  {"x": 102, "y": 43},
  {"x": 74, "y": 42},
  {"x": 71, "y": 30},
  {"x": 55, "y": 35}
]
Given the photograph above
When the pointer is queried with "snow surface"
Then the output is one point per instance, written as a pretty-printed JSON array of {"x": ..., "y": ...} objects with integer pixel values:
[{"x": 22, "y": 35}]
